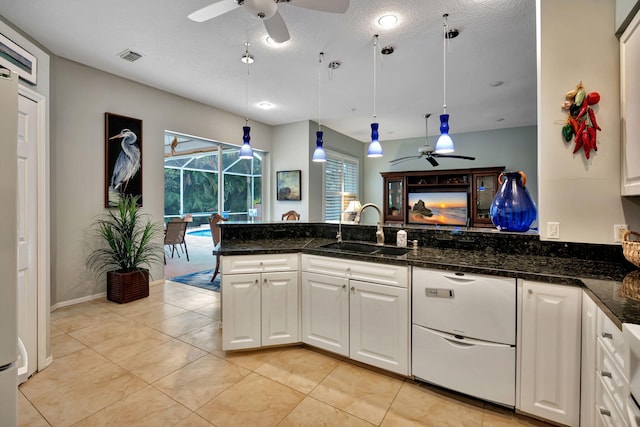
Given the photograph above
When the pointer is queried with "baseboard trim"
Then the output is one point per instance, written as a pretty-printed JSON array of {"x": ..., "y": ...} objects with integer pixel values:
[{"x": 77, "y": 301}]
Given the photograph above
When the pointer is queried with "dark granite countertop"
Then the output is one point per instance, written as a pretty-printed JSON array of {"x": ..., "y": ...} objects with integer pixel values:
[{"x": 614, "y": 286}]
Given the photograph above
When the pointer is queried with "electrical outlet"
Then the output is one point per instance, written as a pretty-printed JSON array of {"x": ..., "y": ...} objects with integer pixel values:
[
  {"x": 618, "y": 231},
  {"x": 553, "y": 230}
]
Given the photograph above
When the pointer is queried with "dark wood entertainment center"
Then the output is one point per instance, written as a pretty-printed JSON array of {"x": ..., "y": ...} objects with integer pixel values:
[{"x": 479, "y": 184}]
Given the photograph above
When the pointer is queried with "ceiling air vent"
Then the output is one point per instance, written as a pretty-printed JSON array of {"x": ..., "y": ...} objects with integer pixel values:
[{"x": 129, "y": 55}]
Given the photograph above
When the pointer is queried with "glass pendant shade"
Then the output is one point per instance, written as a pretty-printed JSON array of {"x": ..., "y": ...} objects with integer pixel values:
[
  {"x": 246, "y": 152},
  {"x": 375, "y": 149},
  {"x": 445, "y": 143},
  {"x": 319, "y": 154}
]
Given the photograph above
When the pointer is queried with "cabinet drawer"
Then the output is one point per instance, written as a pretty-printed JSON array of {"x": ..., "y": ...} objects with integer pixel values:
[
  {"x": 611, "y": 377},
  {"x": 612, "y": 339},
  {"x": 384, "y": 274},
  {"x": 607, "y": 413},
  {"x": 259, "y": 263}
]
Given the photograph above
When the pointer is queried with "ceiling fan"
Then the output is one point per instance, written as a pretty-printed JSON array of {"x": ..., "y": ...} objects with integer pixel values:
[
  {"x": 428, "y": 151},
  {"x": 267, "y": 11}
]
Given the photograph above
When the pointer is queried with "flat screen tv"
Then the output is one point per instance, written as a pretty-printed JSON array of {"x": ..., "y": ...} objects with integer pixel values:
[{"x": 438, "y": 207}]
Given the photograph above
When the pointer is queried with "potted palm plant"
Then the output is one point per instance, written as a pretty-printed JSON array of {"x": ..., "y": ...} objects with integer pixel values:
[{"x": 129, "y": 248}]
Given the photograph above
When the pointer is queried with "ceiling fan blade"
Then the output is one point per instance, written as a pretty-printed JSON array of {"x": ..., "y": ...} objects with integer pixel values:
[
  {"x": 403, "y": 159},
  {"x": 213, "y": 10},
  {"x": 276, "y": 28},
  {"x": 433, "y": 161},
  {"x": 455, "y": 156},
  {"x": 333, "y": 6}
]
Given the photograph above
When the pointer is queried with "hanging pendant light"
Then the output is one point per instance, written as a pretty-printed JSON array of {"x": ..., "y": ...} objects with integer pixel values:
[
  {"x": 444, "y": 144},
  {"x": 246, "y": 152},
  {"x": 375, "y": 149},
  {"x": 319, "y": 155}
]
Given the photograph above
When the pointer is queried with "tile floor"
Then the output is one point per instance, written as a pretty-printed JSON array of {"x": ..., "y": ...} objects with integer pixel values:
[{"x": 158, "y": 362}]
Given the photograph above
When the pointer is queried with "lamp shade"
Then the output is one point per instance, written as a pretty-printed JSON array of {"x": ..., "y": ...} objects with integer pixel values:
[
  {"x": 375, "y": 149},
  {"x": 353, "y": 206},
  {"x": 246, "y": 152},
  {"x": 319, "y": 155},
  {"x": 445, "y": 143}
]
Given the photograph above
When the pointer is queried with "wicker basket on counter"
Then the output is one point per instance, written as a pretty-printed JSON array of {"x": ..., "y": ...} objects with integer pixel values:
[{"x": 631, "y": 248}]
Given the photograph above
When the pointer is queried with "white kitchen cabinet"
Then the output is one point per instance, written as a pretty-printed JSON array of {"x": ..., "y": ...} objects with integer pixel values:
[
  {"x": 357, "y": 309},
  {"x": 325, "y": 312},
  {"x": 260, "y": 307},
  {"x": 379, "y": 325},
  {"x": 630, "y": 107},
  {"x": 549, "y": 352},
  {"x": 588, "y": 367}
]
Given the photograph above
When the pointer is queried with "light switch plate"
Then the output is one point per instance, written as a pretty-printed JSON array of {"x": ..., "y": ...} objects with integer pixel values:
[
  {"x": 553, "y": 230},
  {"x": 618, "y": 231}
]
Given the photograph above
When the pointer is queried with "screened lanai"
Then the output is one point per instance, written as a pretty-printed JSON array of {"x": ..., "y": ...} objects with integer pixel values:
[{"x": 195, "y": 169}]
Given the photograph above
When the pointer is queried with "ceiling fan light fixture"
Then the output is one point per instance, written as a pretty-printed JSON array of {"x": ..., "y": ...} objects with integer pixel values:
[
  {"x": 445, "y": 143},
  {"x": 261, "y": 9}
]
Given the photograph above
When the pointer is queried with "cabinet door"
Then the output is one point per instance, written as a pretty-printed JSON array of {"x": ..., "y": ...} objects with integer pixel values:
[
  {"x": 394, "y": 208},
  {"x": 259, "y": 263},
  {"x": 484, "y": 190},
  {"x": 630, "y": 107},
  {"x": 550, "y": 352},
  {"x": 325, "y": 312},
  {"x": 588, "y": 375},
  {"x": 379, "y": 326},
  {"x": 241, "y": 311},
  {"x": 280, "y": 317}
]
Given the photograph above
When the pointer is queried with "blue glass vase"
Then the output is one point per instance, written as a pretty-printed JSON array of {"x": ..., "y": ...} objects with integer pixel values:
[{"x": 512, "y": 208}]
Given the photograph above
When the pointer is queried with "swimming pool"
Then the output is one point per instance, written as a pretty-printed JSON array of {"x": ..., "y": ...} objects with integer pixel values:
[{"x": 200, "y": 233}]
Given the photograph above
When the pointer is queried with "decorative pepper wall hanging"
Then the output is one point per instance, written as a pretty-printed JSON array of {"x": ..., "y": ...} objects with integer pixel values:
[{"x": 581, "y": 124}]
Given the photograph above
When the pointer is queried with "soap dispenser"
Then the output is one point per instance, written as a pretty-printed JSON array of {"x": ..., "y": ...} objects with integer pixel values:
[{"x": 401, "y": 239}]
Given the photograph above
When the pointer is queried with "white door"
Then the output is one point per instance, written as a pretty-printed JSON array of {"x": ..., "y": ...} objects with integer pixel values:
[
  {"x": 27, "y": 229},
  {"x": 280, "y": 309},
  {"x": 241, "y": 311},
  {"x": 550, "y": 352},
  {"x": 325, "y": 312},
  {"x": 379, "y": 326}
]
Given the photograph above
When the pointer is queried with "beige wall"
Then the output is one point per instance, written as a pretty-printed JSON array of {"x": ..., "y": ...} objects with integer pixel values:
[
  {"x": 80, "y": 97},
  {"x": 582, "y": 195}
]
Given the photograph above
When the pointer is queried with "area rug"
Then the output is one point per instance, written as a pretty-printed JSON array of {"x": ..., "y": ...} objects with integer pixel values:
[{"x": 200, "y": 279}]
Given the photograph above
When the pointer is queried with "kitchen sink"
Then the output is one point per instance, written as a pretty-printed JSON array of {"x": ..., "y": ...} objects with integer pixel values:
[{"x": 366, "y": 248}]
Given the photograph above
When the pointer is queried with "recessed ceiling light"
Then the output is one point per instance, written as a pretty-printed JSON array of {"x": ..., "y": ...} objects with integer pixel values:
[
  {"x": 388, "y": 21},
  {"x": 265, "y": 105},
  {"x": 247, "y": 59},
  {"x": 497, "y": 83}
]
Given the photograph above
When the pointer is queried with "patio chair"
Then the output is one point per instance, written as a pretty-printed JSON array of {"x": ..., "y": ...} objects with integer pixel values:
[
  {"x": 174, "y": 237},
  {"x": 290, "y": 216},
  {"x": 216, "y": 235}
]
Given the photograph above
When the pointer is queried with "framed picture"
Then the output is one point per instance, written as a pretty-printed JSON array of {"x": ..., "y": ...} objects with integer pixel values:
[
  {"x": 18, "y": 60},
  {"x": 288, "y": 185},
  {"x": 123, "y": 158}
]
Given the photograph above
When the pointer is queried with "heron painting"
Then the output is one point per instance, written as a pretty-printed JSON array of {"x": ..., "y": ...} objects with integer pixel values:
[{"x": 123, "y": 163}]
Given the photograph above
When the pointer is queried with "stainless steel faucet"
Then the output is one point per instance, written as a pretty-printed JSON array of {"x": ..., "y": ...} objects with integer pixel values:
[{"x": 379, "y": 232}]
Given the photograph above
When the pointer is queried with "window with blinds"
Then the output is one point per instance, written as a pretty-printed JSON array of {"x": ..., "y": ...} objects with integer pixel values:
[{"x": 340, "y": 184}]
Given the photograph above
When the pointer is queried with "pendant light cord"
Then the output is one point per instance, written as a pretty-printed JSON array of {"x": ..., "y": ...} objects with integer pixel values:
[
  {"x": 246, "y": 92},
  {"x": 444, "y": 65},
  {"x": 375, "y": 45},
  {"x": 320, "y": 58}
]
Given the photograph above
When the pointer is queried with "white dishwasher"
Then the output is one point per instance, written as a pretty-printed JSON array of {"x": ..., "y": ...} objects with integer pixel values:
[{"x": 464, "y": 333}]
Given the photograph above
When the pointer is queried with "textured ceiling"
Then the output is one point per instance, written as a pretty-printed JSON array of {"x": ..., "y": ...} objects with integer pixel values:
[{"x": 201, "y": 61}]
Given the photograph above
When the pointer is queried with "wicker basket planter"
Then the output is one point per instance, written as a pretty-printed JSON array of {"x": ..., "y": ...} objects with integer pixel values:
[
  {"x": 631, "y": 248},
  {"x": 123, "y": 287}
]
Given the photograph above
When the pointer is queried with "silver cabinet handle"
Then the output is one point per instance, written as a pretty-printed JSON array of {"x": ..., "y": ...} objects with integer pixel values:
[
  {"x": 344, "y": 286},
  {"x": 530, "y": 291},
  {"x": 606, "y": 374},
  {"x": 605, "y": 412},
  {"x": 265, "y": 282},
  {"x": 607, "y": 335}
]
